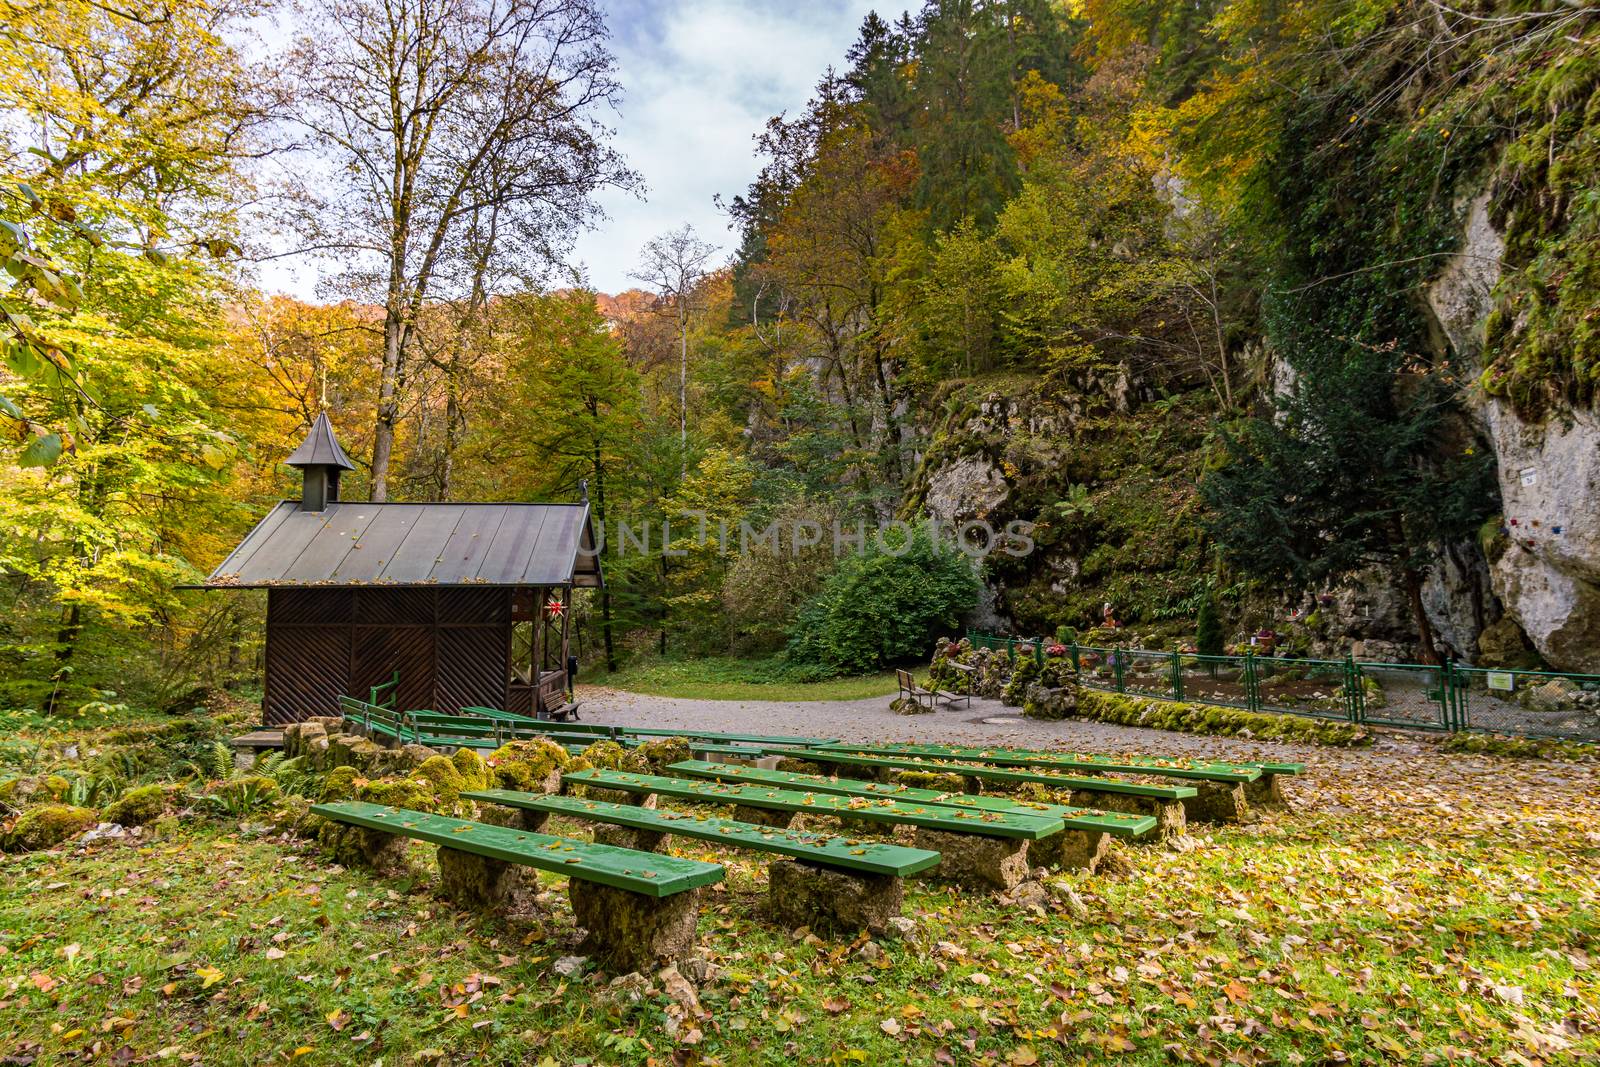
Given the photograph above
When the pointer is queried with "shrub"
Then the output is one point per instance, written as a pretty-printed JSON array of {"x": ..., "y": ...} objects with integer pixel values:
[
  {"x": 879, "y": 607},
  {"x": 47, "y": 826},
  {"x": 1208, "y": 637}
]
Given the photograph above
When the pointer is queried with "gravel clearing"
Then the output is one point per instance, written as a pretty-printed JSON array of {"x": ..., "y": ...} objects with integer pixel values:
[{"x": 1400, "y": 769}]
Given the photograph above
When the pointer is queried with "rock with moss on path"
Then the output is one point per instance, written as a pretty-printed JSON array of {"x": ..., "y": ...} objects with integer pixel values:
[{"x": 47, "y": 826}]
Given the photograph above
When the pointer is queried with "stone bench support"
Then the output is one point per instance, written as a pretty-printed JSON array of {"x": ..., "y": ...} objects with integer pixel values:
[
  {"x": 1070, "y": 850},
  {"x": 633, "y": 932},
  {"x": 832, "y": 901},
  {"x": 1170, "y": 815},
  {"x": 629, "y": 837},
  {"x": 974, "y": 860},
  {"x": 1266, "y": 791},
  {"x": 482, "y": 883},
  {"x": 1217, "y": 802},
  {"x": 783, "y": 820}
]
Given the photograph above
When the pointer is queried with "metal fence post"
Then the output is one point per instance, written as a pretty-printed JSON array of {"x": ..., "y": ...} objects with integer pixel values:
[
  {"x": 1252, "y": 684},
  {"x": 1177, "y": 677},
  {"x": 1117, "y": 671},
  {"x": 1355, "y": 700},
  {"x": 1455, "y": 697},
  {"x": 1077, "y": 668}
]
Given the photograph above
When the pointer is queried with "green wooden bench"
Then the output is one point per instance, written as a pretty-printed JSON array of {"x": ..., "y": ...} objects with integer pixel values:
[
  {"x": 821, "y": 881},
  {"x": 610, "y": 732},
  {"x": 1259, "y": 780},
  {"x": 866, "y": 857},
  {"x": 1080, "y": 846},
  {"x": 402, "y": 727},
  {"x": 1072, "y": 817},
  {"x": 1166, "y": 804},
  {"x": 988, "y": 848},
  {"x": 638, "y": 907}
]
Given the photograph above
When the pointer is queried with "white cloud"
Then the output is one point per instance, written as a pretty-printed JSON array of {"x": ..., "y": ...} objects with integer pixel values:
[{"x": 701, "y": 80}]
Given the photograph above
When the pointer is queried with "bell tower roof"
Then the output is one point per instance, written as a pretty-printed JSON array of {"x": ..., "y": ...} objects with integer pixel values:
[{"x": 320, "y": 448}]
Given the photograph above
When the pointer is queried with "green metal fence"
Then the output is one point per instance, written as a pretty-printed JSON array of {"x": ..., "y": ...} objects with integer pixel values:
[{"x": 1449, "y": 697}]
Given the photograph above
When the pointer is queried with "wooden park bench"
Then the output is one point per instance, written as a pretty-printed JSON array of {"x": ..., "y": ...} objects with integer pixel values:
[
  {"x": 638, "y": 907},
  {"x": 1081, "y": 845},
  {"x": 837, "y": 882},
  {"x": 1258, "y": 782},
  {"x": 928, "y": 698},
  {"x": 1165, "y": 803},
  {"x": 981, "y": 847}
]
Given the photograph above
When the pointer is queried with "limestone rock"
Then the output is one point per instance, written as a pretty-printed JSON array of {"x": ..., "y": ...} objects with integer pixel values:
[
  {"x": 830, "y": 900},
  {"x": 1066, "y": 899},
  {"x": 633, "y": 932},
  {"x": 1030, "y": 895},
  {"x": 1548, "y": 575},
  {"x": 569, "y": 966},
  {"x": 903, "y": 927},
  {"x": 486, "y": 884},
  {"x": 975, "y": 860},
  {"x": 968, "y": 487},
  {"x": 680, "y": 990}
]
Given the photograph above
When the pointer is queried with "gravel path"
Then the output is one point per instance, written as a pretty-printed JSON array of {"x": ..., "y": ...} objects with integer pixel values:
[
  {"x": 1399, "y": 768},
  {"x": 986, "y": 722}
]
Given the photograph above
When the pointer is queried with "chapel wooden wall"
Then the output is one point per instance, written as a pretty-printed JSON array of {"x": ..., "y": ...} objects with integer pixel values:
[{"x": 452, "y": 647}]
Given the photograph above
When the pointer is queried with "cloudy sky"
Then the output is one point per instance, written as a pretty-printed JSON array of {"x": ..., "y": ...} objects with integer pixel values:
[{"x": 701, "y": 79}]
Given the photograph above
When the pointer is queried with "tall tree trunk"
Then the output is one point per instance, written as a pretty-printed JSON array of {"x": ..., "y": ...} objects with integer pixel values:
[
  {"x": 394, "y": 339},
  {"x": 605, "y": 590},
  {"x": 66, "y": 644}
]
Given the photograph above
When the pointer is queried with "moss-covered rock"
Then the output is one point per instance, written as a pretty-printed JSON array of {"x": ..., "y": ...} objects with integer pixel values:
[
  {"x": 529, "y": 766},
  {"x": 607, "y": 756},
  {"x": 341, "y": 784},
  {"x": 1202, "y": 719},
  {"x": 141, "y": 805},
  {"x": 55, "y": 787},
  {"x": 47, "y": 826},
  {"x": 473, "y": 770},
  {"x": 444, "y": 778},
  {"x": 654, "y": 757},
  {"x": 413, "y": 794}
]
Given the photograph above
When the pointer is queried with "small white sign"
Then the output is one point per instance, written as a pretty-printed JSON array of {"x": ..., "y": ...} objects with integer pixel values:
[
  {"x": 1504, "y": 681},
  {"x": 1529, "y": 475}
]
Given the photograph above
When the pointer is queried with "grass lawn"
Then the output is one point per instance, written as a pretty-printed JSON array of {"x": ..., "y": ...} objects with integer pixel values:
[
  {"x": 736, "y": 679},
  {"x": 1408, "y": 914}
]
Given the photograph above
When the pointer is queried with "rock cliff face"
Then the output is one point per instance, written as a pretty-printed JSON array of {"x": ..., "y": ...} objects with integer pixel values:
[
  {"x": 1108, "y": 472},
  {"x": 1545, "y": 566}
]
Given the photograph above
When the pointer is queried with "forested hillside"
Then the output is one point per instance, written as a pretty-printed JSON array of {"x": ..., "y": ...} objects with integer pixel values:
[{"x": 1288, "y": 309}]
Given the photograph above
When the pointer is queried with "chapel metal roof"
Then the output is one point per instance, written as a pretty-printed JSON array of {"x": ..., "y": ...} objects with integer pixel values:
[
  {"x": 320, "y": 448},
  {"x": 352, "y": 544}
]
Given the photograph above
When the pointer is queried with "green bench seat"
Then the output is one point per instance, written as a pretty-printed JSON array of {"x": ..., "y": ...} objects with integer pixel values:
[
  {"x": 1191, "y": 769},
  {"x": 639, "y": 908},
  {"x": 845, "y": 853},
  {"x": 1072, "y": 818},
  {"x": 1028, "y": 827},
  {"x": 990, "y": 773},
  {"x": 620, "y": 868}
]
